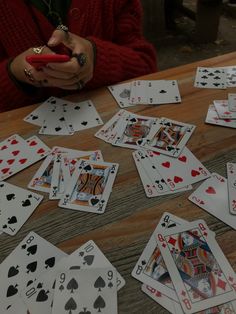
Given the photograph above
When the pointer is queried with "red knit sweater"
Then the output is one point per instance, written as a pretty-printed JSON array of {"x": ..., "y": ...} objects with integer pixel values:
[{"x": 114, "y": 26}]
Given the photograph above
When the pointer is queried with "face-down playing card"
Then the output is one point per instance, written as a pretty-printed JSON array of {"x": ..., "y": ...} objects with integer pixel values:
[
  {"x": 29, "y": 259},
  {"x": 16, "y": 206},
  {"x": 86, "y": 291},
  {"x": 90, "y": 186},
  {"x": 200, "y": 273},
  {"x": 167, "y": 137}
]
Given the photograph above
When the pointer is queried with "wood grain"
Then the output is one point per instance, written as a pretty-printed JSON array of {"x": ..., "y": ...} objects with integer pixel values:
[{"x": 130, "y": 218}]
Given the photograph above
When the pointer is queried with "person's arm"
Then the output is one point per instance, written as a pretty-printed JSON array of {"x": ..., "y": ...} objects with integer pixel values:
[{"x": 129, "y": 55}]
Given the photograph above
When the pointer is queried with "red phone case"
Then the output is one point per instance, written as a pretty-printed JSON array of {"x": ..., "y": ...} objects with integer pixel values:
[{"x": 39, "y": 61}]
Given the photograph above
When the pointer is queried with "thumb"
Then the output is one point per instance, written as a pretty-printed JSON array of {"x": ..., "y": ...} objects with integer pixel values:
[{"x": 60, "y": 37}]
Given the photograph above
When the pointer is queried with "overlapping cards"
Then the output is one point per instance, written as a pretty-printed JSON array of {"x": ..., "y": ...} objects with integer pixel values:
[
  {"x": 162, "y": 175},
  {"x": 183, "y": 268},
  {"x": 217, "y": 195},
  {"x": 162, "y": 135},
  {"x": 223, "y": 112},
  {"x": 61, "y": 117},
  {"x": 80, "y": 180},
  {"x": 17, "y": 154},
  {"x": 155, "y": 92},
  {"x": 221, "y": 77},
  {"x": 40, "y": 278}
]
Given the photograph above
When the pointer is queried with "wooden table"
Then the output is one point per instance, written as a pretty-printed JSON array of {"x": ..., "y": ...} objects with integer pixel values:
[{"x": 130, "y": 218}]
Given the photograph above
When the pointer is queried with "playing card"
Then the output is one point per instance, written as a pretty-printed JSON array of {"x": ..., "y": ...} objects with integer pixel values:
[
  {"x": 83, "y": 115},
  {"x": 105, "y": 132},
  {"x": 121, "y": 93},
  {"x": 138, "y": 92},
  {"x": 179, "y": 172},
  {"x": 162, "y": 92},
  {"x": 16, "y": 206},
  {"x": 55, "y": 123},
  {"x": 232, "y": 102},
  {"x": 154, "y": 184},
  {"x": 88, "y": 256},
  {"x": 133, "y": 129},
  {"x": 174, "y": 307},
  {"x": 17, "y": 154},
  {"x": 42, "y": 179},
  {"x": 18, "y": 307},
  {"x": 87, "y": 290},
  {"x": 150, "y": 268},
  {"x": 222, "y": 108},
  {"x": 213, "y": 118},
  {"x": 90, "y": 186},
  {"x": 210, "y": 78},
  {"x": 231, "y": 76},
  {"x": 212, "y": 196},
  {"x": 231, "y": 174},
  {"x": 31, "y": 257},
  {"x": 200, "y": 273},
  {"x": 167, "y": 137}
]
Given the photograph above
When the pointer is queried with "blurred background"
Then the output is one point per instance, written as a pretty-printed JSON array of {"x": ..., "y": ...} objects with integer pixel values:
[{"x": 185, "y": 31}]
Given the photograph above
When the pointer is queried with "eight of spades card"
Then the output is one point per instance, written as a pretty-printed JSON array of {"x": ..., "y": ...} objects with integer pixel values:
[
  {"x": 86, "y": 291},
  {"x": 168, "y": 137},
  {"x": 90, "y": 186},
  {"x": 39, "y": 295},
  {"x": 231, "y": 173},
  {"x": 201, "y": 275},
  {"x": 133, "y": 129},
  {"x": 16, "y": 205},
  {"x": 29, "y": 259}
]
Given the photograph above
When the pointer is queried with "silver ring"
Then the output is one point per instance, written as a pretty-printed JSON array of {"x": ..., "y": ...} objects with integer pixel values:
[
  {"x": 63, "y": 28},
  {"x": 81, "y": 58},
  {"x": 38, "y": 50},
  {"x": 29, "y": 75}
]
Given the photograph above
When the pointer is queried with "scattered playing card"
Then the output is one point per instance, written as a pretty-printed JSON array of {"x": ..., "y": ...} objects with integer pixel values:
[
  {"x": 232, "y": 102},
  {"x": 210, "y": 78},
  {"x": 200, "y": 273},
  {"x": 213, "y": 118},
  {"x": 86, "y": 290},
  {"x": 212, "y": 196},
  {"x": 231, "y": 173},
  {"x": 222, "y": 108},
  {"x": 16, "y": 206},
  {"x": 167, "y": 137},
  {"x": 121, "y": 93}
]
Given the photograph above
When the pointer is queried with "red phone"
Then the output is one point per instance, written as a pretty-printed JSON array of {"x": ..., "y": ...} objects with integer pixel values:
[{"x": 39, "y": 60}]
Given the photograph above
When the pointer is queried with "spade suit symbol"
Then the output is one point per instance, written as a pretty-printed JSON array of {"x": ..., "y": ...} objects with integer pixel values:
[
  {"x": 26, "y": 203},
  {"x": 84, "y": 123},
  {"x": 32, "y": 249},
  {"x": 12, "y": 220},
  {"x": 99, "y": 283},
  {"x": 32, "y": 267},
  {"x": 70, "y": 305},
  {"x": 87, "y": 168},
  {"x": 13, "y": 271},
  {"x": 72, "y": 285},
  {"x": 88, "y": 259},
  {"x": 12, "y": 290},
  {"x": 99, "y": 304},
  {"x": 57, "y": 129},
  {"x": 10, "y": 196},
  {"x": 42, "y": 296},
  {"x": 50, "y": 262}
]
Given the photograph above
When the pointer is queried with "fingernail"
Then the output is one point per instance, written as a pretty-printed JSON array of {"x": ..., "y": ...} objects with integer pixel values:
[{"x": 52, "y": 41}]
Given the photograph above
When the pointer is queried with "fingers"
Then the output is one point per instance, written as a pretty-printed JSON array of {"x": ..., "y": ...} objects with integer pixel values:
[{"x": 62, "y": 37}]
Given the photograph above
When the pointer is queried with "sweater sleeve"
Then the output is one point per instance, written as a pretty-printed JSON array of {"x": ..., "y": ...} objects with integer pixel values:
[{"x": 128, "y": 55}]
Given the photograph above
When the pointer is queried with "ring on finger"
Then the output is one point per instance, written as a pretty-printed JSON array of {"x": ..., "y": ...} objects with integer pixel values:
[
  {"x": 29, "y": 75},
  {"x": 80, "y": 84},
  {"x": 38, "y": 50},
  {"x": 81, "y": 58}
]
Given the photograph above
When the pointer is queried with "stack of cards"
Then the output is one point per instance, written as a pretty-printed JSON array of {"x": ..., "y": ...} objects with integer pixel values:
[
  {"x": 130, "y": 130},
  {"x": 40, "y": 278},
  {"x": 223, "y": 112},
  {"x": 184, "y": 269},
  {"x": 154, "y": 92},
  {"x": 16, "y": 206},
  {"x": 217, "y": 195},
  {"x": 81, "y": 180},
  {"x": 161, "y": 174},
  {"x": 61, "y": 117},
  {"x": 18, "y": 154}
]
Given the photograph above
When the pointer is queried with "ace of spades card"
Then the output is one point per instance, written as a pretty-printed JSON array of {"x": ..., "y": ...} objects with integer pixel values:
[
  {"x": 86, "y": 291},
  {"x": 29, "y": 259},
  {"x": 90, "y": 186},
  {"x": 210, "y": 78},
  {"x": 168, "y": 137},
  {"x": 200, "y": 273},
  {"x": 16, "y": 205}
]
